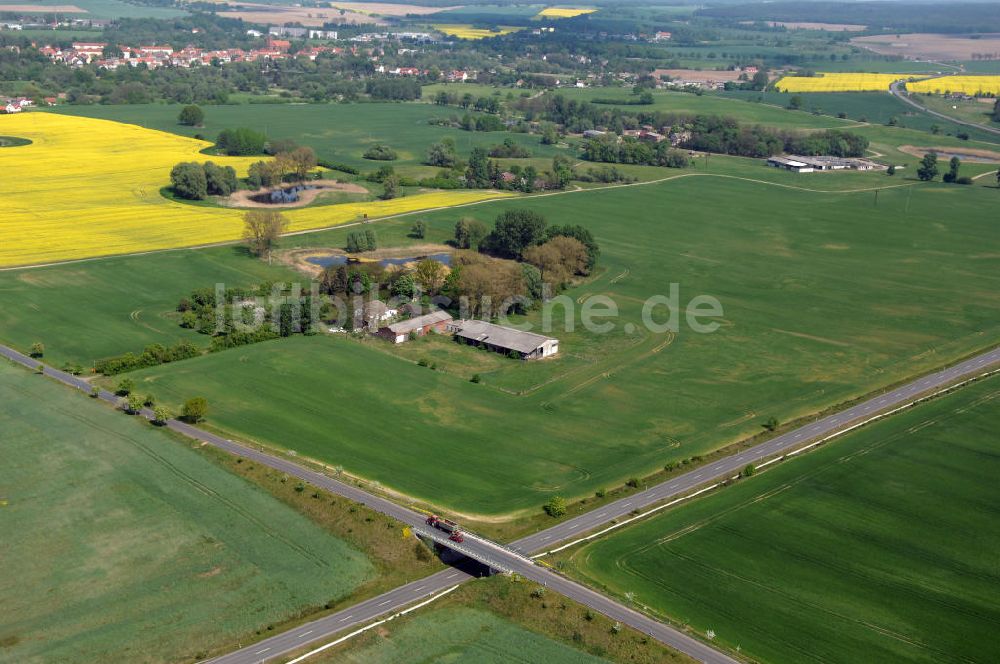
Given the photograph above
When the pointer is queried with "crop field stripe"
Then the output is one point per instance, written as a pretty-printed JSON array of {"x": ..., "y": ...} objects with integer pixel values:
[{"x": 491, "y": 197}]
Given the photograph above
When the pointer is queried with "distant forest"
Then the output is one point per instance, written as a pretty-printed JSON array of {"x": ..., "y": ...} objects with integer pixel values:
[{"x": 945, "y": 17}]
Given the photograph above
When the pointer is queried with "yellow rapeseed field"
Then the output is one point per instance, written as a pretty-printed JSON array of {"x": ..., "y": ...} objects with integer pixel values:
[
  {"x": 564, "y": 12},
  {"x": 969, "y": 85},
  {"x": 87, "y": 188},
  {"x": 838, "y": 82},
  {"x": 466, "y": 31}
]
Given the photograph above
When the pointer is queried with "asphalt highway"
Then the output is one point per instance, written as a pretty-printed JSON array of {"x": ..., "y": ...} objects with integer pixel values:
[
  {"x": 514, "y": 558},
  {"x": 774, "y": 447}
]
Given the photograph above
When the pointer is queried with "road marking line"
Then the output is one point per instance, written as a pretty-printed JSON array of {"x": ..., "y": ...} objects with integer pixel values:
[
  {"x": 416, "y": 590},
  {"x": 260, "y": 651},
  {"x": 451, "y": 575},
  {"x": 385, "y": 602},
  {"x": 368, "y": 627},
  {"x": 305, "y": 634},
  {"x": 347, "y": 618}
]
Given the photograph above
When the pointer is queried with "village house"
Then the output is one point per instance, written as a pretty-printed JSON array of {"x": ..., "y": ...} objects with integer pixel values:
[
  {"x": 506, "y": 340},
  {"x": 397, "y": 333}
]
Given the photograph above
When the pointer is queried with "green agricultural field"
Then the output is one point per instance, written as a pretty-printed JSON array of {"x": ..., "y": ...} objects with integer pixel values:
[
  {"x": 338, "y": 132},
  {"x": 876, "y": 108},
  {"x": 132, "y": 547},
  {"x": 826, "y": 297},
  {"x": 685, "y": 102},
  {"x": 87, "y": 311},
  {"x": 463, "y": 633},
  {"x": 880, "y": 547}
]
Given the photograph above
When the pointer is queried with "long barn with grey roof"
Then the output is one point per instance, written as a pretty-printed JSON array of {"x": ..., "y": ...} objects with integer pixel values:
[{"x": 507, "y": 340}]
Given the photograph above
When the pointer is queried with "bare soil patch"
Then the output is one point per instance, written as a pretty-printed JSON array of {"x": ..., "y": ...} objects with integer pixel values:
[
  {"x": 389, "y": 9},
  {"x": 970, "y": 154},
  {"x": 40, "y": 9},
  {"x": 702, "y": 75},
  {"x": 307, "y": 16},
  {"x": 932, "y": 46},
  {"x": 244, "y": 197}
]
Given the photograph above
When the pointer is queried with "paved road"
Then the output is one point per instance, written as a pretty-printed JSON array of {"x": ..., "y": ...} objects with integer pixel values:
[
  {"x": 479, "y": 549},
  {"x": 895, "y": 90},
  {"x": 515, "y": 558},
  {"x": 731, "y": 465}
]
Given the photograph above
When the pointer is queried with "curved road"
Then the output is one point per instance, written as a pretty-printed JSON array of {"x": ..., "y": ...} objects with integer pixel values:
[
  {"x": 515, "y": 557},
  {"x": 895, "y": 91}
]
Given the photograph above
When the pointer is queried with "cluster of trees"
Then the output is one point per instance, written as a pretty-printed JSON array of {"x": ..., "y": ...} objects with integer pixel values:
[
  {"x": 359, "y": 241},
  {"x": 151, "y": 356},
  {"x": 610, "y": 149},
  {"x": 297, "y": 163},
  {"x": 509, "y": 149},
  {"x": 380, "y": 152},
  {"x": 241, "y": 142},
  {"x": 394, "y": 89},
  {"x": 246, "y": 315},
  {"x": 195, "y": 181},
  {"x": 483, "y": 104},
  {"x": 928, "y": 170},
  {"x": 191, "y": 115}
]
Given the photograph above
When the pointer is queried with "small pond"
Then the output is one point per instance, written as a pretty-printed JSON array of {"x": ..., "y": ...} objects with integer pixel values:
[
  {"x": 284, "y": 195},
  {"x": 341, "y": 259}
]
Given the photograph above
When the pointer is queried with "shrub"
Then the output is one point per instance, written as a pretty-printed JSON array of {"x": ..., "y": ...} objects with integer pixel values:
[
  {"x": 556, "y": 507},
  {"x": 160, "y": 415},
  {"x": 380, "y": 153},
  {"x": 195, "y": 409},
  {"x": 600, "y": 493},
  {"x": 37, "y": 349},
  {"x": 133, "y": 404},
  {"x": 633, "y": 482},
  {"x": 125, "y": 387},
  {"x": 476, "y": 378},
  {"x": 749, "y": 470},
  {"x": 191, "y": 115}
]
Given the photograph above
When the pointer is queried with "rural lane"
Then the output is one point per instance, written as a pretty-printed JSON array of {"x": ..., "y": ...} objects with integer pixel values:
[
  {"x": 514, "y": 557},
  {"x": 905, "y": 98}
]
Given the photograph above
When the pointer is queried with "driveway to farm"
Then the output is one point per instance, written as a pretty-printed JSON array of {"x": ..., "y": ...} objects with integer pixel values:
[
  {"x": 905, "y": 98},
  {"x": 515, "y": 557}
]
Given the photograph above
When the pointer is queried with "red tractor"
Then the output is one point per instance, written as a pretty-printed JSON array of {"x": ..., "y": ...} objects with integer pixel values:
[{"x": 450, "y": 527}]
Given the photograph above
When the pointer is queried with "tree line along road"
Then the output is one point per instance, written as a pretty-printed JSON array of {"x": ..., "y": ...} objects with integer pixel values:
[{"x": 515, "y": 557}]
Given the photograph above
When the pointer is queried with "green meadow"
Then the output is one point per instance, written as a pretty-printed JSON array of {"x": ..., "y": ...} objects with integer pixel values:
[
  {"x": 123, "y": 544},
  {"x": 92, "y": 310},
  {"x": 826, "y": 296},
  {"x": 338, "y": 132},
  {"x": 104, "y": 9},
  {"x": 879, "y": 547}
]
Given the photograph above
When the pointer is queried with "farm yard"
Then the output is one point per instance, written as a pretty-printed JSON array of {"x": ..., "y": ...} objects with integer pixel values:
[
  {"x": 119, "y": 198},
  {"x": 876, "y": 547},
  {"x": 132, "y": 547},
  {"x": 812, "y": 313}
]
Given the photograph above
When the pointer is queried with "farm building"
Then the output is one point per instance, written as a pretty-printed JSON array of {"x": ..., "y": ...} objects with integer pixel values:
[
  {"x": 372, "y": 314},
  {"x": 790, "y": 164},
  {"x": 397, "y": 333},
  {"x": 506, "y": 340},
  {"x": 802, "y": 164}
]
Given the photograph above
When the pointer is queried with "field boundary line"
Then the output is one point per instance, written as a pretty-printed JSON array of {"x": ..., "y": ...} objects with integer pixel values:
[
  {"x": 782, "y": 457},
  {"x": 369, "y": 626}
]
